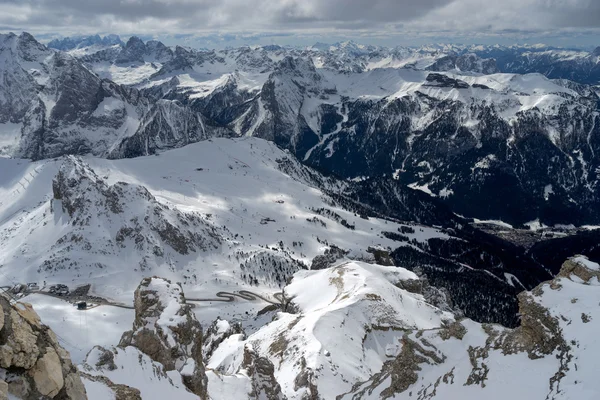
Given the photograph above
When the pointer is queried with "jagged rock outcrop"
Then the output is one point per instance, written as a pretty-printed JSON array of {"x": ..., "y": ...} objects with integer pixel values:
[
  {"x": 136, "y": 51},
  {"x": 153, "y": 229},
  {"x": 328, "y": 258},
  {"x": 33, "y": 363},
  {"x": 169, "y": 124},
  {"x": 293, "y": 83},
  {"x": 217, "y": 332},
  {"x": 261, "y": 372},
  {"x": 168, "y": 332}
]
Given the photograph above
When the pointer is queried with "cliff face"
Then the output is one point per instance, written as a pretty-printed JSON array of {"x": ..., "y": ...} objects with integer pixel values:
[
  {"x": 168, "y": 332},
  {"x": 33, "y": 363}
]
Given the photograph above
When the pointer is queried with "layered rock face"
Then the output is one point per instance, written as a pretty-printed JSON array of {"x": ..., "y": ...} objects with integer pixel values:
[
  {"x": 33, "y": 363},
  {"x": 168, "y": 124},
  {"x": 168, "y": 332},
  {"x": 122, "y": 214},
  {"x": 261, "y": 372}
]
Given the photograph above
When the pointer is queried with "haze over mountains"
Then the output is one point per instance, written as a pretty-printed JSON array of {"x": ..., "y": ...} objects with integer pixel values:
[{"x": 392, "y": 215}]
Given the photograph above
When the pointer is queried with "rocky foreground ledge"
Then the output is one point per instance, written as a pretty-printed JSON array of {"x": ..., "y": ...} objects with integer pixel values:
[{"x": 33, "y": 363}]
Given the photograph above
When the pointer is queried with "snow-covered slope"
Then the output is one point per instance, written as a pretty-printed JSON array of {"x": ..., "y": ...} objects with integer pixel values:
[
  {"x": 366, "y": 331},
  {"x": 342, "y": 328},
  {"x": 216, "y": 210}
]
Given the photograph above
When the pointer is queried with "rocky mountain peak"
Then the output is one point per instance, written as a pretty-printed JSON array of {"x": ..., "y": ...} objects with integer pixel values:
[
  {"x": 133, "y": 51},
  {"x": 166, "y": 329},
  {"x": 296, "y": 65},
  {"x": 134, "y": 42},
  {"x": 26, "y": 37},
  {"x": 123, "y": 215},
  {"x": 29, "y": 49},
  {"x": 7, "y": 36}
]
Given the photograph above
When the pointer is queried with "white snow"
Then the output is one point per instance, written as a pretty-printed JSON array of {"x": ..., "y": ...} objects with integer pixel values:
[
  {"x": 422, "y": 188},
  {"x": 348, "y": 316},
  {"x": 97, "y": 390},
  {"x": 79, "y": 331},
  {"x": 493, "y": 222},
  {"x": 137, "y": 370},
  {"x": 589, "y": 264}
]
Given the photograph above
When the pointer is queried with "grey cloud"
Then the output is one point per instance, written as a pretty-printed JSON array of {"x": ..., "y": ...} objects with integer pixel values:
[{"x": 249, "y": 18}]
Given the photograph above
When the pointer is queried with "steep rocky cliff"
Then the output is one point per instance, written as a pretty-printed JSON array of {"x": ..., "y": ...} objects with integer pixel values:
[
  {"x": 33, "y": 363},
  {"x": 166, "y": 330},
  {"x": 167, "y": 339}
]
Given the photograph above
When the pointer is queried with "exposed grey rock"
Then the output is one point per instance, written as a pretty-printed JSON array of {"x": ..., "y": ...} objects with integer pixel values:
[
  {"x": 217, "y": 333},
  {"x": 327, "y": 259},
  {"x": 152, "y": 227},
  {"x": 262, "y": 377},
  {"x": 169, "y": 124},
  {"x": 173, "y": 339}
]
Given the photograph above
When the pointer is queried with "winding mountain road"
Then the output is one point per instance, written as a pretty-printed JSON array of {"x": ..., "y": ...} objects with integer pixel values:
[
  {"x": 225, "y": 297},
  {"x": 228, "y": 297}
]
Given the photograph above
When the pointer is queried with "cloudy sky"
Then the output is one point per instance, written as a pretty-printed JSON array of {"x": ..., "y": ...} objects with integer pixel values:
[{"x": 220, "y": 23}]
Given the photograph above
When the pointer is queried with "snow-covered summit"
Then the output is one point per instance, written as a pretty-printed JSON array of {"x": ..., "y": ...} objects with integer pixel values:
[
  {"x": 340, "y": 326},
  {"x": 555, "y": 344}
]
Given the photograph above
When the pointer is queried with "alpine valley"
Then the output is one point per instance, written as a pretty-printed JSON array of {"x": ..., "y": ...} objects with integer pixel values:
[{"x": 336, "y": 221}]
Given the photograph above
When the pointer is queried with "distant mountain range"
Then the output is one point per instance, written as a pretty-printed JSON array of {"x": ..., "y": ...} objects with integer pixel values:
[
  {"x": 77, "y": 42},
  {"x": 491, "y": 145}
]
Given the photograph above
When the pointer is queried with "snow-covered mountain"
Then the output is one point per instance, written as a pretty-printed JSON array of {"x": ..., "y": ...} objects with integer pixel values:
[
  {"x": 79, "y": 42},
  {"x": 555, "y": 63},
  {"x": 517, "y": 148},
  {"x": 52, "y": 104},
  {"x": 359, "y": 111},
  {"x": 242, "y": 206},
  {"x": 492, "y": 131},
  {"x": 298, "y": 223}
]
